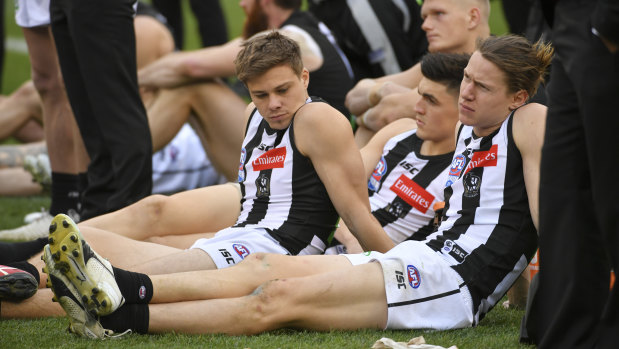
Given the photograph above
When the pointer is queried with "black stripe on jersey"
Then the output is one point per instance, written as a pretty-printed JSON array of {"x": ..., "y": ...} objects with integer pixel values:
[
  {"x": 423, "y": 232},
  {"x": 425, "y": 299},
  {"x": 306, "y": 219},
  {"x": 395, "y": 155},
  {"x": 251, "y": 145},
  {"x": 448, "y": 191}
]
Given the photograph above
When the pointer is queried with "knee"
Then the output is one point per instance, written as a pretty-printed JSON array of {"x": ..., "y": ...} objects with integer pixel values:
[
  {"x": 257, "y": 261},
  {"x": 47, "y": 83},
  {"x": 156, "y": 240},
  {"x": 152, "y": 206},
  {"x": 267, "y": 306}
]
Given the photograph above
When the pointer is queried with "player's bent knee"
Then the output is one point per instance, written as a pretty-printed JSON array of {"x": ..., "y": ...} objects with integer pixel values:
[
  {"x": 153, "y": 205},
  {"x": 46, "y": 83}
]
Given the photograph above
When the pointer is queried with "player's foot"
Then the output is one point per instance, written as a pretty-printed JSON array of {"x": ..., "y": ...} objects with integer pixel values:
[
  {"x": 16, "y": 284},
  {"x": 91, "y": 275},
  {"x": 39, "y": 167},
  {"x": 35, "y": 229},
  {"x": 81, "y": 321}
]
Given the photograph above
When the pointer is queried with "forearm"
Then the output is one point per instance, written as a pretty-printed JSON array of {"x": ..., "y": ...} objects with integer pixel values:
[
  {"x": 345, "y": 237},
  {"x": 168, "y": 72},
  {"x": 394, "y": 106},
  {"x": 357, "y": 98},
  {"x": 369, "y": 233}
]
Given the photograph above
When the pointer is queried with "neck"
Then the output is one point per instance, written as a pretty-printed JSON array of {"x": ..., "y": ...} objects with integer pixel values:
[
  {"x": 471, "y": 45},
  {"x": 432, "y": 148},
  {"x": 485, "y": 131},
  {"x": 277, "y": 16}
]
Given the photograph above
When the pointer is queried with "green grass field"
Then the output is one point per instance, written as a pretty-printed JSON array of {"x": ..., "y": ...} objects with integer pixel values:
[{"x": 498, "y": 330}]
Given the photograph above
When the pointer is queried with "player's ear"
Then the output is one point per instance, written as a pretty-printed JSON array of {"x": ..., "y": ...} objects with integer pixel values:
[
  {"x": 474, "y": 18},
  {"x": 305, "y": 77},
  {"x": 518, "y": 99}
]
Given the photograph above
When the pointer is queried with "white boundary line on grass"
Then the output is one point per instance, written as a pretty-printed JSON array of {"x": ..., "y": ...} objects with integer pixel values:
[{"x": 15, "y": 44}]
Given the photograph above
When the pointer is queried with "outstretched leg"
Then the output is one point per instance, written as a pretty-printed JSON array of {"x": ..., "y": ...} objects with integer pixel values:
[
  {"x": 320, "y": 302},
  {"x": 195, "y": 211}
]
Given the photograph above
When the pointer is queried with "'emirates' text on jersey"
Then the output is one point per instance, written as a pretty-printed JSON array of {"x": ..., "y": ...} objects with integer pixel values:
[
  {"x": 281, "y": 189},
  {"x": 404, "y": 187},
  {"x": 487, "y": 234}
]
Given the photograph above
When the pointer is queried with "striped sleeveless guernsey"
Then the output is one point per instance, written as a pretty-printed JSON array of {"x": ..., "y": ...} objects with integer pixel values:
[
  {"x": 404, "y": 187},
  {"x": 281, "y": 190},
  {"x": 487, "y": 234}
]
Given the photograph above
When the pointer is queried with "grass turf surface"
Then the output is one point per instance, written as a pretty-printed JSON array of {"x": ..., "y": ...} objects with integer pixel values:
[{"x": 498, "y": 330}]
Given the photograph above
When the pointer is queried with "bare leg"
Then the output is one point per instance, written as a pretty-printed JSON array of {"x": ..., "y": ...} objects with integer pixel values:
[
  {"x": 57, "y": 115},
  {"x": 518, "y": 293},
  {"x": 318, "y": 302},
  {"x": 17, "y": 182},
  {"x": 195, "y": 211},
  {"x": 167, "y": 113},
  {"x": 39, "y": 305},
  {"x": 152, "y": 38},
  {"x": 242, "y": 279},
  {"x": 18, "y": 109},
  {"x": 179, "y": 241},
  {"x": 219, "y": 113},
  {"x": 219, "y": 120},
  {"x": 139, "y": 256},
  {"x": 32, "y": 131},
  {"x": 13, "y": 155},
  {"x": 131, "y": 254}
]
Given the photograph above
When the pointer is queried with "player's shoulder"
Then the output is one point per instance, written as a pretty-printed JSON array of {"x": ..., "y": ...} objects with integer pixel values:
[
  {"x": 318, "y": 112},
  {"x": 530, "y": 110}
]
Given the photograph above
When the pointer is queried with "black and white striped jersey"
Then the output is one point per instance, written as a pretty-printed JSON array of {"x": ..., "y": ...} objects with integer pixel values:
[
  {"x": 404, "y": 187},
  {"x": 281, "y": 189},
  {"x": 487, "y": 234}
]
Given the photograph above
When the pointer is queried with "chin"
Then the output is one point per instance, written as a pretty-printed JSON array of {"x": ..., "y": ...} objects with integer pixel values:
[{"x": 466, "y": 121}]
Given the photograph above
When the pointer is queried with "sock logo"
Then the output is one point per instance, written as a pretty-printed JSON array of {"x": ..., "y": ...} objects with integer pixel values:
[{"x": 142, "y": 292}]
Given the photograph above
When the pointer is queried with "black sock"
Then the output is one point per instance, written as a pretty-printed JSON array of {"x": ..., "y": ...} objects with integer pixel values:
[
  {"x": 65, "y": 194},
  {"x": 20, "y": 251},
  {"x": 82, "y": 184},
  {"x": 128, "y": 317},
  {"x": 27, "y": 267},
  {"x": 135, "y": 287}
]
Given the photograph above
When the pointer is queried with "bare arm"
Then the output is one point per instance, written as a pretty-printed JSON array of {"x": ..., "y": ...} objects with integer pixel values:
[
  {"x": 311, "y": 60},
  {"x": 371, "y": 152},
  {"x": 325, "y": 136},
  {"x": 180, "y": 68},
  {"x": 346, "y": 238},
  {"x": 391, "y": 107},
  {"x": 369, "y": 92},
  {"x": 528, "y": 130}
]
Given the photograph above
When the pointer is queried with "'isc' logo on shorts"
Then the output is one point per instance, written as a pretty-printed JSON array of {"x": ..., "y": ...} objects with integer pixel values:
[{"x": 414, "y": 279}]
